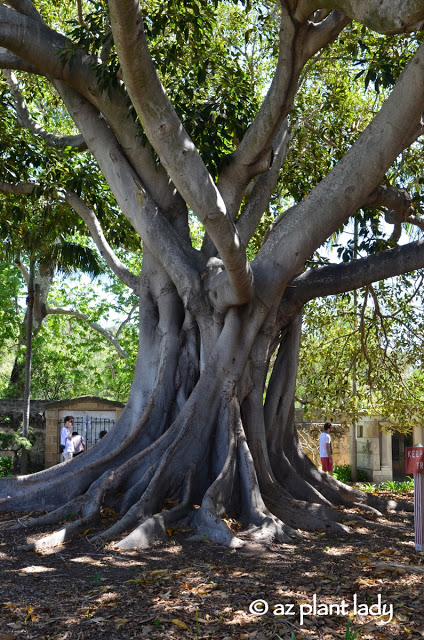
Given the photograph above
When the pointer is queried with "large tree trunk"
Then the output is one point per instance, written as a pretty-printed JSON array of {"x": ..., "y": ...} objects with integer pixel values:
[{"x": 196, "y": 435}]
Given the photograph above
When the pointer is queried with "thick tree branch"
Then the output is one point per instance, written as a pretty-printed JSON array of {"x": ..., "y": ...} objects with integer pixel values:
[
  {"x": 400, "y": 208},
  {"x": 26, "y": 8},
  {"x": 33, "y": 41},
  {"x": 9, "y": 60},
  {"x": 259, "y": 198},
  {"x": 383, "y": 16},
  {"x": 417, "y": 222},
  {"x": 56, "y": 311},
  {"x": 167, "y": 246},
  {"x": 298, "y": 42},
  {"x": 89, "y": 217},
  {"x": 333, "y": 279},
  {"x": 173, "y": 145},
  {"x": 26, "y": 120},
  {"x": 19, "y": 188},
  {"x": 419, "y": 131},
  {"x": 390, "y": 197},
  {"x": 47, "y": 52},
  {"x": 347, "y": 186},
  {"x": 324, "y": 31}
]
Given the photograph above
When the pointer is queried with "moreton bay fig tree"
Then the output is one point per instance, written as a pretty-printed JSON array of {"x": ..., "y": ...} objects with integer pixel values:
[{"x": 168, "y": 114}]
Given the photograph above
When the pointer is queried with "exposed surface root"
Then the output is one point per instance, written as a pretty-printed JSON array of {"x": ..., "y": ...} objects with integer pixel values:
[
  {"x": 53, "y": 517},
  {"x": 367, "y": 508},
  {"x": 211, "y": 528},
  {"x": 156, "y": 526},
  {"x": 262, "y": 524},
  {"x": 66, "y": 533},
  {"x": 207, "y": 520},
  {"x": 298, "y": 514},
  {"x": 306, "y": 516}
]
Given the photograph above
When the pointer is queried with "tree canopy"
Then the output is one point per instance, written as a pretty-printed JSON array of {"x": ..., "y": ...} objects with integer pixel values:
[{"x": 247, "y": 125}]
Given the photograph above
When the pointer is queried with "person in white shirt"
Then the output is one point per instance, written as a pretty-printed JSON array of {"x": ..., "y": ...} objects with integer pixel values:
[
  {"x": 66, "y": 443},
  {"x": 325, "y": 449}
]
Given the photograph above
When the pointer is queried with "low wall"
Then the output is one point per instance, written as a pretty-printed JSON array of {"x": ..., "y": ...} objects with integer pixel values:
[
  {"x": 11, "y": 417},
  {"x": 309, "y": 434}
]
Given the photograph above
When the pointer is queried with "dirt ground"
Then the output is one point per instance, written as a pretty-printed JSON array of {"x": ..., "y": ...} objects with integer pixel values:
[{"x": 320, "y": 587}]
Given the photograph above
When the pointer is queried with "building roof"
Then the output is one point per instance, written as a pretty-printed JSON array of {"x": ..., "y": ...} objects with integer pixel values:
[{"x": 74, "y": 402}]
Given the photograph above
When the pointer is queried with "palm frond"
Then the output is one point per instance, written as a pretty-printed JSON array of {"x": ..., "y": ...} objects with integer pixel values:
[{"x": 70, "y": 256}]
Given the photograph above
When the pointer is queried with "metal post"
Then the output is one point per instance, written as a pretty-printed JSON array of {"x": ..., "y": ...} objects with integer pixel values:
[
  {"x": 419, "y": 511},
  {"x": 414, "y": 463}
]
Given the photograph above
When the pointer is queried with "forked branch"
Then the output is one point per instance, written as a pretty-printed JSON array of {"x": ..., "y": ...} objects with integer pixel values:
[
  {"x": 299, "y": 40},
  {"x": 174, "y": 147},
  {"x": 347, "y": 185}
]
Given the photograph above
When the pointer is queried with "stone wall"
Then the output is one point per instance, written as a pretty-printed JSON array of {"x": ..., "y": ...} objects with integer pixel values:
[
  {"x": 14, "y": 407},
  {"x": 11, "y": 416},
  {"x": 309, "y": 433},
  {"x": 78, "y": 407}
]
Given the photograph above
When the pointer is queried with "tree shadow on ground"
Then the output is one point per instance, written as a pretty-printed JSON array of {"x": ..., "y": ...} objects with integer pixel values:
[{"x": 182, "y": 589}]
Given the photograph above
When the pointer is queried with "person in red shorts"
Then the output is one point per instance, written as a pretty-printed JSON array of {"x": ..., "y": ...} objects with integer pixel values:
[{"x": 325, "y": 449}]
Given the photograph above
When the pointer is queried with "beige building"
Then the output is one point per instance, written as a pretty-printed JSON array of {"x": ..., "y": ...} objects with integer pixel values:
[
  {"x": 380, "y": 453},
  {"x": 91, "y": 416}
]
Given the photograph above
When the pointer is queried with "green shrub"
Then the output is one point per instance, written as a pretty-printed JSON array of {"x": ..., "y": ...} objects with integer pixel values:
[
  {"x": 369, "y": 487},
  {"x": 397, "y": 486},
  {"x": 6, "y": 465},
  {"x": 343, "y": 472}
]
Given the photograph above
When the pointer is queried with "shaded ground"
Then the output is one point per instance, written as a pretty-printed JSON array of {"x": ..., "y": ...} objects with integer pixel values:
[{"x": 179, "y": 589}]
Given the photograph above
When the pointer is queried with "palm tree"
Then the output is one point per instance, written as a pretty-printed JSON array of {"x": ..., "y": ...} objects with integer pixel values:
[{"x": 39, "y": 249}]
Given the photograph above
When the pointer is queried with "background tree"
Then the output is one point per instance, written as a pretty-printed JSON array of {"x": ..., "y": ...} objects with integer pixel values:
[
  {"x": 33, "y": 221},
  {"x": 86, "y": 344},
  {"x": 178, "y": 132},
  {"x": 70, "y": 357},
  {"x": 382, "y": 337}
]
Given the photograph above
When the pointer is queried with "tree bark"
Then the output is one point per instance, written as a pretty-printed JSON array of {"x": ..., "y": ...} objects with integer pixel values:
[{"x": 28, "y": 361}]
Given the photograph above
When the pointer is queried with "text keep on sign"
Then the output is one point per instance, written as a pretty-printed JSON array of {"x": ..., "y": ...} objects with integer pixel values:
[{"x": 414, "y": 459}]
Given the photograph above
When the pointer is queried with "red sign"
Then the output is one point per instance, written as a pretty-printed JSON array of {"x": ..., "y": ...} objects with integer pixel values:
[{"x": 414, "y": 459}]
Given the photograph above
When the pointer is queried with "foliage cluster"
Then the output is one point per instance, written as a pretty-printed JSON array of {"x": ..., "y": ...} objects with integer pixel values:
[
  {"x": 190, "y": 42},
  {"x": 70, "y": 358},
  {"x": 6, "y": 465},
  {"x": 371, "y": 353},
  {"x": 16, "y": 444},
  {"x": 344, "y": 473}
]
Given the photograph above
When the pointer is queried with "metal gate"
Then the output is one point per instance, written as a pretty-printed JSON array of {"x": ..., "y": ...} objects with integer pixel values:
[{"x": 89, "y": 427}]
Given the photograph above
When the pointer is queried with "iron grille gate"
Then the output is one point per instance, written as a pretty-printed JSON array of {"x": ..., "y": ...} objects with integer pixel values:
[{"x": 89, "y": 428}]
